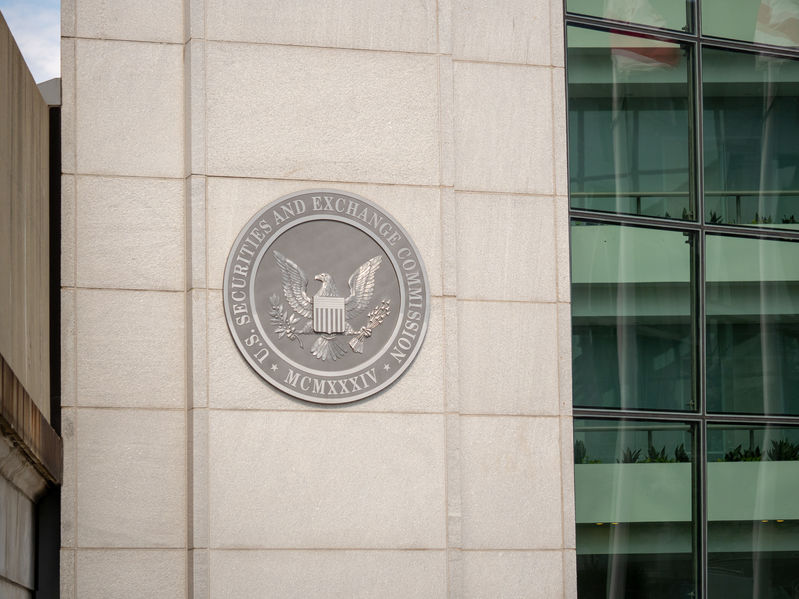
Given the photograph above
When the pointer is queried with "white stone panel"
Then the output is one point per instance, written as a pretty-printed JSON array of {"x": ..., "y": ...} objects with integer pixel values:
[
  {"x": 145, "y": 20},
  {"x": 507, "y": 358},
  {"x": 556, "y": 31},
  {"x": 326, "y": 480},
  {"x": 385, "y": 25},
  {"x": 501, "y": 31},
  {"x": 68, "y": 230},
  {"x": 506, "y": 247},
  {"x": 512, "y": 574},
  {"x": 68, "y": 488},
  {"x": 503, "y": 128},
  {"x": 68, "y": 348},
  {"x": 560, "y": 133},
  {"x": 67, "y": 103},
  {"x": 510, "y": 468},
  {"x": 232, "y": 384},
  {"x": 131, "y": 348},
  {"x": 232, "y": 202},
  {"x": 328, "y": 573},
  {"x": 131, "y": 233},
  {"x": 67, "y": 571},
  {"x": 567, "y": 480},
  {"x": 131, "y": 574},
  {"x": 565, "y": 357},
  {"x": 321, "y": 114},
  {"x": 562, "y": 248},
  {"x": 129, "y": 101},
  {"x": 131, "y": 481}
]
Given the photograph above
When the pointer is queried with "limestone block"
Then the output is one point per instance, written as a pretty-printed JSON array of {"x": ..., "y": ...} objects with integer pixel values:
[
  {"x": 506, "y": 247},
  {"x": 507, "y": 31},
  {"x": 130, "y": 348},
  {"x": 129, "y": 101},
  {"x": 512, "y": 574},
  {"x": 329, "y": 573},
  {"x": 326, "y": 480},
  {"x": 68, "y": 230},
  {"x": 503, "y": 372},
  {"x": 131, "y": 574},
  {"x": 321, "y": 114},
  {"x": 511, "y": 482},
  {"x": 131, "y": 484},
  {"x": 386, "y": 25},
  {"x": 130, "y": 233},
  {"x": 503, "y": 128},
  {"x": 145, "y": 20}
]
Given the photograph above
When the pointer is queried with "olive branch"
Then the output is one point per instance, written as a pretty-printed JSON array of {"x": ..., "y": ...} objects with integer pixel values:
[{"x": 285, "y": 323}]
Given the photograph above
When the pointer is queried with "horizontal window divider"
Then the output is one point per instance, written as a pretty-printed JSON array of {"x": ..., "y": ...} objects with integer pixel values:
[
  {"x": 615, "y": 218},
  {"x": 710, "y": 418},
  {"x": 676, "y": 36},
  {"x": 665, "y": 35}
]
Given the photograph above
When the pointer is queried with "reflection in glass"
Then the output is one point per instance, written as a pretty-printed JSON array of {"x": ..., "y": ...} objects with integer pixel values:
[
  {"x": 631, "y": 317},
  {"x": 753, "y": 512},
  {"x": 752, "y": 325},
  {"x": 751, "y": 124},
  {"x": 664, "y": 14},
  {"x": 629, "y": 135},
  {"x": 773, "y": 22},
  {"x": 634, "y": 498}
]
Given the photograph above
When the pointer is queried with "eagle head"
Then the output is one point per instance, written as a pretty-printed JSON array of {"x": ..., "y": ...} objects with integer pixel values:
[{"x": 328, "y": 286}]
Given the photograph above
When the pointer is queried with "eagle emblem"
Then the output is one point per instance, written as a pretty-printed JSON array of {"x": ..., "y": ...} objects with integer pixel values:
[{"x": 327, "y": 314}]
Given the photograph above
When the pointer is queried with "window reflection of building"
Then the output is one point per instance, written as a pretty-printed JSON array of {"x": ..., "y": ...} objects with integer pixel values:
[{"x": 684, "y": 185}]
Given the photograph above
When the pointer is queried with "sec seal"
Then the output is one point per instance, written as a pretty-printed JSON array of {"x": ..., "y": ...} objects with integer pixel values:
[{"x": 326, "y": 296}]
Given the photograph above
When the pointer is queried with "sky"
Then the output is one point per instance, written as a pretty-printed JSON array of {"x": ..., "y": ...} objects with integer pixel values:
[{"x": 36, "y": 26}]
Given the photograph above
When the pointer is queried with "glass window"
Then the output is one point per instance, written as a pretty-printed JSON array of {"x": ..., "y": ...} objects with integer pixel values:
[
  {"x": 631, "y": 317},
  {"x": 752, "y": 294},
  {"x": 753, "y": 512},
  {"x": 629, "y": 132},
  {"x": 635, "y": 514},
  {"x": 773, "y": 22},
  {"x": 665, "y": 14},
  {"x": 751, "y": 124},
  {"x": 685, "y": 328}
]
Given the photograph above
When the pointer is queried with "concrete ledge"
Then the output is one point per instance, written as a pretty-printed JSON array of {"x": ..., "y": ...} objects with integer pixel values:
[{"x": 26, "y": 428}]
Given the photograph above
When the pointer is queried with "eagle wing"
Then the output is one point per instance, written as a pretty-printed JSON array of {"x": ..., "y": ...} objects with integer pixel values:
[
  {"x": 362, "y": 286},
  {"x": 294, "y": 285}
]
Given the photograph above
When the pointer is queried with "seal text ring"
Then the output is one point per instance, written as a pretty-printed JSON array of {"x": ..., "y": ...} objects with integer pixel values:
[{"x": 326, "y": 296}]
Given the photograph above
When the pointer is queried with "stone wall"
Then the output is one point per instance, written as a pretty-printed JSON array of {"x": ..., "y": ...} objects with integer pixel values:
[{"x": 186, "y": 475}]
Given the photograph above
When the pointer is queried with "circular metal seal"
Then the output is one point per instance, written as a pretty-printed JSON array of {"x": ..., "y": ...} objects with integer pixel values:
[{"x": 326, "y": 296}]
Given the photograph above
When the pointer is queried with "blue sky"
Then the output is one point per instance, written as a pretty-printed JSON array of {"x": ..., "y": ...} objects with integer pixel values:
[{"x": 36, "y": 25}]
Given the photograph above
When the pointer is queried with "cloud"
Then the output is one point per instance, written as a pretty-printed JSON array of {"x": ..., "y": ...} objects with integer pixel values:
[{"x": 36, "y": 27}]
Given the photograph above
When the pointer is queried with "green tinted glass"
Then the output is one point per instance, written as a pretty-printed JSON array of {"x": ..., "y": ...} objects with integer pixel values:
[
  {"x": 665, "y": 14},
  {"x": 751, "y": 124},
  {"x": 629, "y": 125},
  {"x": 774, "y": 22},
  {"x": 753, "y": 512},
  {"x": 752, "y": 325},
  {"x": 631, "y": 317},
  {"x": 634, "y": 498}
]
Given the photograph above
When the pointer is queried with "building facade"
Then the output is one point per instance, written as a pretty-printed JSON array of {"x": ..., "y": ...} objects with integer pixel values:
[
  {"x": 604, "y": 402},
  {"x": 185, "y": 473}
]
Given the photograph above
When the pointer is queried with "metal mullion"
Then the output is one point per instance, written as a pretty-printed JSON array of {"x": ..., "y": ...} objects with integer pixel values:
[
  {"x": 665, "y": 35},
  {"x": 752, "y": 232},
  {"x": 627, "y": 414},
  {"x": 629, "y": 219},
  {"x": 755, "y": 419},
  {"x": 702, "y": 524},
  {"x": 750, "y": 47}
]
